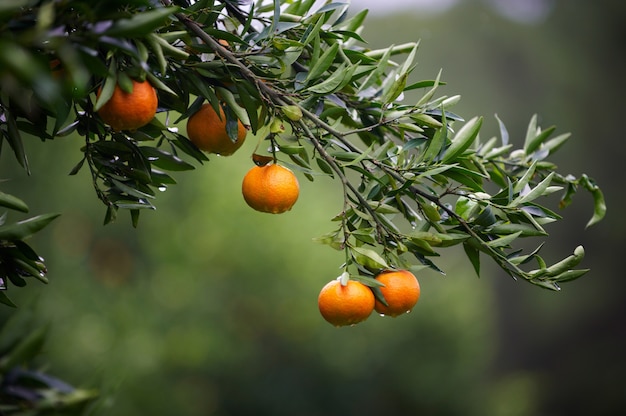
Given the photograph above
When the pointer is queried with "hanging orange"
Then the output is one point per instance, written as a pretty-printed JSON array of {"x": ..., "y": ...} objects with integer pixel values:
[
  {"x": 345, "y": 305},
  {"x": 401, "y": 292},
  {"x": 271, "y": 188},
  {"x": 207, "y": 130},
  {"x": 130, "y": 110}
]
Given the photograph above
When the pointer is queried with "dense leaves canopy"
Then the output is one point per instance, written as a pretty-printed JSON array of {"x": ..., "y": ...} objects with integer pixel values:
[{"x": 416, "y": 177}]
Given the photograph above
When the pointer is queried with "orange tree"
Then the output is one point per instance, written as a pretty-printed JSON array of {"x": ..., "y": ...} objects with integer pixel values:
[{"x": 415, "y": 177}]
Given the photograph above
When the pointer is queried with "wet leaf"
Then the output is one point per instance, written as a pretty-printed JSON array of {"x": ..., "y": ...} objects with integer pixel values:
[
  {"x": 165, "y": 160},
  {"x": 25, "y": 228}
]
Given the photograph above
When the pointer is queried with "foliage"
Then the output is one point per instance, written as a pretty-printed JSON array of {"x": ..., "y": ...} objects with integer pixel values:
[
  {"x": 416, "y": 178},
  {"x": 18, "y": 260},
  {"x": 26, "y": 391}
]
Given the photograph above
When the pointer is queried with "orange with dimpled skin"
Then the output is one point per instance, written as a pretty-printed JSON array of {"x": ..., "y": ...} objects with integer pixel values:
[
  {"x": 345, "y": 305},
  {"x": 401, "y": 291},
  {"x": 271, "y": 188},
  {"x": 130, "y": 110}
]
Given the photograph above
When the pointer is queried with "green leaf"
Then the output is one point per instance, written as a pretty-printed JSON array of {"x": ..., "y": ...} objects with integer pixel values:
[
  {"x": 369, "y": 258},
  {"x": 132, "y": 205},
  {"x": 165, "y": 160},
  {"x": 534, "y": 193},
  {"x": 15, "y": 140},
  {"x": 504, "y": 133},
  {"x": 323, "y": 63},
  {"x": 4, "y": 299},
  {"x": 158, "y": 84},
  {"x": 435, "y": 145},
  {"x": 26, "y": 228},
  {"x": 312, "y": 32},
  {"x": 373, "y": 77},
  {"x": 473, "y": 255},
  {"x": 429, "y": 94},
  {"x": 462, "y": 139},
  {"x": 78, "y": 166},
  {"x": 141, "y": 24},
  {"x": 599, "y": 205},
  {"x": 336, "y": 81},
  {"x": 531, "y": 131},
  {"x": 396, "y": 88},
  {"x": 567, "y": 263},
  {"x": 31, "y": 268},
  {"x": 550, "y": 285},
  {"x": 233, "y": 105},
  {"x": 569, "y": 275},
  {"x": 525, "y": 230},
  {"x": 504, "y": 241},
  {"x": 325, "y": 167},
  {"x": 536, "y": 141},
  {"x": 523, "y": 181},
  {"x": 554, "y": 144},
  {"x": 12, "y": 202},
  {"x": 129, "y": 190},
  {"x": 107, "y": 90},
  {"x": 426, "y": 120}
]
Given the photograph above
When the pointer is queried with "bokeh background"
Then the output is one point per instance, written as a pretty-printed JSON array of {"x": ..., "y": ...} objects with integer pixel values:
[{"x": 209, "y": 308}]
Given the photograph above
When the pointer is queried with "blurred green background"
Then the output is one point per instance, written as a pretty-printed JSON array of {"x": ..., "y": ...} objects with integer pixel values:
[{"x": 209, "y": 308}]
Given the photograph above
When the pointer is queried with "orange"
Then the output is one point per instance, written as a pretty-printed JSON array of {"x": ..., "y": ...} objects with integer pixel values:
[
  {"x": 129, "y": 111},
  {"x": 345, "y": 305},
  {"x": 401, "y": 292},
  {"x": 207, "y": 130},
  {"x": 271, "y": 188}
]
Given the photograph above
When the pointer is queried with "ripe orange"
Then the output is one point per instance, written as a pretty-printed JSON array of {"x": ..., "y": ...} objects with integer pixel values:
[
  {"x": 345, "y": 305},
  {"x": 207, "y": 130},
  {"x": 129, "y": 111},
  {"x": 401, "y": 292},
  {"x": 271, "y": 188}
]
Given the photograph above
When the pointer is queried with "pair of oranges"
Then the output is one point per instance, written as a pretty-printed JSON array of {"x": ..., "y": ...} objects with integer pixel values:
[
  {"x": 353, "y": 303},
  {"x": 270, "y": 188}
]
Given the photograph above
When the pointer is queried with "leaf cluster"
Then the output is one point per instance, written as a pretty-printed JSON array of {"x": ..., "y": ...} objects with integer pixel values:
[
  {"x": 25, "y": 390},
  {"x": 18, "y": 261},
  {"x": 416, "y": 177}
]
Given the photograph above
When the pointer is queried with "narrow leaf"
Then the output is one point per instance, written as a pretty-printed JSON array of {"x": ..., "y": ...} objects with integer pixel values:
[
  {"x": 531, "y": 131},
  {"x": 599, "y": 205},
  {"x": 520, "y": 184},
  {"x": 504, "y": 241},
  {"x": 535, "y": 193},
  {"x": 141, "y": 24},
  {"x": 323, "y": 63},
  {"x": 536, "y": 141},
  {"x": 369, "y": 258},
  {"x": 504, "y": 133},
  {"x": 12, "y": 202},
  {"x": 26, "y": 228},
  {"x": 396, "y": 88},
  {"x": 463, "y": 139},
  {"x": 474, "y": 257}
]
